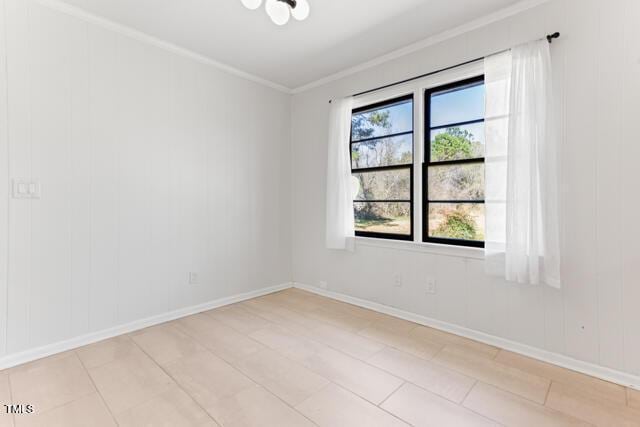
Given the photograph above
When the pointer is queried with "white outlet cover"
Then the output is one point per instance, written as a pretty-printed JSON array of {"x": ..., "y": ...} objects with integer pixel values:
[
  {"x": 431, "y": 286},
  {"x": 397, "y": 281},
  {"x": 193, "y": 278}
]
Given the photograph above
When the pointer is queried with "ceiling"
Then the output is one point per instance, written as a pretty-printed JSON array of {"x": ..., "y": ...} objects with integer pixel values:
[{"x": 338, "y": 34}]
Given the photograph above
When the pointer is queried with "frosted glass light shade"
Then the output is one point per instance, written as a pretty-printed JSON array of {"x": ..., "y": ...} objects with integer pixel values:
[
  {"x": 301, "y": 11},
  {"x": 278, "y": 11},
  {"x": 252, "y": 4}
]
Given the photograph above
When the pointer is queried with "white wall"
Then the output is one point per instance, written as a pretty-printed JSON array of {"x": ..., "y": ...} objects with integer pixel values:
[
  {"x": 152, "y": 165},
  {"x": 595, "y": 318}
]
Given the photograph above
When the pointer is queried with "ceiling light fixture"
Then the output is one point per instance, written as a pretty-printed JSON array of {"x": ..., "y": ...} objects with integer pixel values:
[{"x": 281, "y": 10}]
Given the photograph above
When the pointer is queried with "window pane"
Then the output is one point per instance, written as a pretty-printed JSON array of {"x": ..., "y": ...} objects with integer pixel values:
[
  {"x": 384, "y": 185},
  {"x": 457, "y": 143},
  {"x": 457, "y": 221},
  {"x": 397, "y": 150},
  {"x": 457, "y": 182},
  {"x": 375, "y": 217},
  {"x": 459, "y": 105},
  {"x": 393, "y": 119}
]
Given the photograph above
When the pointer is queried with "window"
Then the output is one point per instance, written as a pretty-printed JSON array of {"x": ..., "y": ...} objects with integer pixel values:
[
  {"x": 453, "y": 171},
  {"x": 382, "y": 163},
  {"x": 452, "y": 188}
]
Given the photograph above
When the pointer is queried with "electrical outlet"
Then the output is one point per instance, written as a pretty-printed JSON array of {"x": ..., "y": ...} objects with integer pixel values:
[
  {"x": 193, "y": 278},
  {"x": 431, "y": 286},
  {"x": 397, "y": 280},
  {"x": 323, "y": 284}
]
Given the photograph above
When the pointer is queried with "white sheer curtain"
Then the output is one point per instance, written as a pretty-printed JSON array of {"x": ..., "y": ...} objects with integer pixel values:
[
  {"x": 522, "y": 235},
  {"x": 340, "y": 217}
]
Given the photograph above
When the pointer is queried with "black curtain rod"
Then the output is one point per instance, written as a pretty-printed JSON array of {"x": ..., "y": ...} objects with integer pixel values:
[{"x": 549, "y": 37}]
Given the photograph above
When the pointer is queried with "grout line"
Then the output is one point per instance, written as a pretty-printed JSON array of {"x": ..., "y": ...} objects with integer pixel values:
[
  {"x": 329, "y": 380},
  {"x": 432, "y": 361},
  {"x": 63, "y": 355},
  {"x": 626, "y": 396},
  {"x": 483, "y": 416},
  {"x": 391, "y": 394},
  {"x": 373, "y": 366},
  {"x": 391, "y": 413},
  {"x": 469, "y": 391},
  {"x": 184, "y": 331},
  {"x": 546, "y": 396},
  {"x": 104, "y": 402},
  {"x": 177, "y": 384}
]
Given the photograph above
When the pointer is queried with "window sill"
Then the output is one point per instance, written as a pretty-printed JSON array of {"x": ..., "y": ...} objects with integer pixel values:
[{"x": 430, "y": 248}]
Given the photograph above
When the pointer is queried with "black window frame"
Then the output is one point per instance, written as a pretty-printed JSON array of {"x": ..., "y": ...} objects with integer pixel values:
[
  {"x": 375, "y": 106},
  {"x": 428, "y": 163}
]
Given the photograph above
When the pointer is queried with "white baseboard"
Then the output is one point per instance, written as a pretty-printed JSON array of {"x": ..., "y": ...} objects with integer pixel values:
[
  {"x": 607, "y": 374},
  {"x": 72, "y": 343}
]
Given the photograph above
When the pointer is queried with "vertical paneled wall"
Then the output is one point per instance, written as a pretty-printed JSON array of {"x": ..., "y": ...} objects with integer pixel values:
[
  {"x": 151, "y": 164},
  {"x": 595, "y": 317}
]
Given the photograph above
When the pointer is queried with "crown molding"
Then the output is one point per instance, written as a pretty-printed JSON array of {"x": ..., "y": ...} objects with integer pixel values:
[
  {"x": 422, "y": 44},
  {"x": 76, "y": 12},
  {"x": 79, "y": 13}
]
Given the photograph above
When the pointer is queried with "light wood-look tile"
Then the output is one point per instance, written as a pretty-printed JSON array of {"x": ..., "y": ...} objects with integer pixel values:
[
  {"x": 208, "y": 379},
  {"x": 280, "y": 316},
  {"x": 238, "y": 318},
  {"x": 285, "y": 378},
  {"x": 166, "y": 343},
  {"x": 256, "y": 407},
  {"x": 287, "y": 343},
  {"x": 295, "y": 359},
  {"x": 294, "y": 302},
  {"x": 418, "y": 347},
  {"x": 89, "y": 410},
  {"x": 354, "y": 345},
  {"x": 106, "y": 351},
  {"x": 221, "y": 339},
  {"x": 50, "y": 382},
  {"x": 171, "y": 408},
  {"x": 430, "y": 376},
  {"x": 361, "y": 378},
  {"x": 421, "y": 408},
  {"x": 394, "y": 324},
  {"x": 511, "y": 410},
  {"x": 310, "y": 315},
  {"x": 577, "y": 402},
  {"x": 6, "y": 420},
  {"x": 445, "y": 338},
  {"x": 633, "y": 398},
  {"x": 354, "y": 310},
  {"x": 602, "y": 389},
  {"x": 335, "y": 407},
  {"x": 338, "y": 318},
  {"x": 489, "y": 371},
  {"x": 129, "y": 381}
]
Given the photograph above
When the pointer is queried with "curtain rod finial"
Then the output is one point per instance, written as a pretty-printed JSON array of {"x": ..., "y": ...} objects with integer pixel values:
[{"x": 550, "y": 37}]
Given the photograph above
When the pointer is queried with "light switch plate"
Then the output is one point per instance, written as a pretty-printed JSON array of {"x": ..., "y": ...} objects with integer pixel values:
[{"x": 26, "y": 189}]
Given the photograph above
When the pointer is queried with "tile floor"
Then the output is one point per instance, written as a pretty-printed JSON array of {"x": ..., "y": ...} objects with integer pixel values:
[{"x": 297, "y": 359}]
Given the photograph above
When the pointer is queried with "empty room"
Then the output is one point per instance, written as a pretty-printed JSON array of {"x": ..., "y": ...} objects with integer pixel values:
[{"x": 298, "y": 213}]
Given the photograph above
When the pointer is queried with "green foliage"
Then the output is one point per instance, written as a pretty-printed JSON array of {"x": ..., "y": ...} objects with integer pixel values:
[
  {"x": 364, "y": 125},
  {"x": 458, "y": 225},
  {"x": 453, "y": 144}
]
